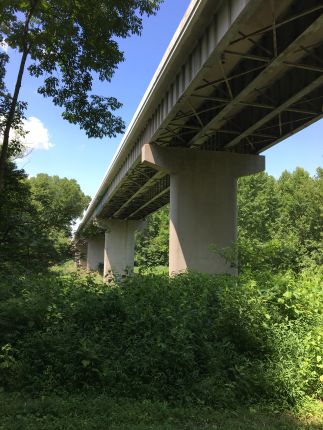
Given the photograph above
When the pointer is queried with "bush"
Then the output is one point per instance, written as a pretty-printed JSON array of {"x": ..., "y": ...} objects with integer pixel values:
[{"x": 194, "y": 338}]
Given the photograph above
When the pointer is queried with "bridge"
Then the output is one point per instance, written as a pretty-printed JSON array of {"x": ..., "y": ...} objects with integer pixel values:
[{"x": 238, "y": 77}]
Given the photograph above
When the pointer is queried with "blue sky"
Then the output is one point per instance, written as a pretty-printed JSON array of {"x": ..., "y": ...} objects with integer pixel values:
[{"x": 71, "y": 154}]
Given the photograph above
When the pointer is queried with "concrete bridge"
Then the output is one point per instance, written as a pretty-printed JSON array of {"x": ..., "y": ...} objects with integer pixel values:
[{"x": 238, "y": 77}]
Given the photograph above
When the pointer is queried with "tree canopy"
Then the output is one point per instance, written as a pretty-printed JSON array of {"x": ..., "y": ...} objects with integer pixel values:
[
  {"x": 36, "y": 218},
  {"x": 68, "y": 44},
  {"x": 280, "y": 221},
  {"x": 59, "y": 201},
  {"x": 279, "y": 224}
]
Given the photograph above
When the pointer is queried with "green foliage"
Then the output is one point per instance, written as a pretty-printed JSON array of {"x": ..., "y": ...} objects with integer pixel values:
[
  {"x": 280, "y": 221},
  {"x": 59, "y": 201},
  {"x": 152, "y": 242},
  {"x": 89, "y": 411},
  {"x": 15, "y": 147},
  {"x": 302, "y": 210},
  {"x": 36, "y": 217},
  {"x": 279, "y": 225},
  {"x": 258, "y": 204},
  {"x": 68, "y": 43},
  {"x": 23, "y": 240},
  {"x": 208, "y": 339}
]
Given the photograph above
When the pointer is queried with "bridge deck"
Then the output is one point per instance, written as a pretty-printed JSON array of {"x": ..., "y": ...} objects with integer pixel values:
[{"x": 239, "y": 76}]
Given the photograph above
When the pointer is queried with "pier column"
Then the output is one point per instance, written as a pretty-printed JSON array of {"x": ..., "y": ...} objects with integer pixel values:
[
  {"x": 203, "y": 203},
  {"x": 95, "y": 252},
  {"x": 81, "y": 254},
  {"x": 83, "y": 257},
  {"x": 119, "y": 248}
]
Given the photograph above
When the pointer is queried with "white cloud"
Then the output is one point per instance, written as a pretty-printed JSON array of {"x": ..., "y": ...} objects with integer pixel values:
[
  {"x": 4, "y": 45},
  {"x": 37, "y": 136}
]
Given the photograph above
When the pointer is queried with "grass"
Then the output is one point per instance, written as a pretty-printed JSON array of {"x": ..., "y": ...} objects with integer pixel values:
[
  {"x": 156, "y": 270},
  {"x": 69, "y": 267},
  {"x": 99, "y": 412}
]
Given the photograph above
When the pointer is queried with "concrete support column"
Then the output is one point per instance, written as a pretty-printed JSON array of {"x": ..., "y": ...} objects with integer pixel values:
[
  {"x": 202, "y": 203},
  {"x": 119, "y": 248},
  {"x": 95, "y": 252},
  {"x": 83, "y": 257},
  {"x": 81, "y": 254}
]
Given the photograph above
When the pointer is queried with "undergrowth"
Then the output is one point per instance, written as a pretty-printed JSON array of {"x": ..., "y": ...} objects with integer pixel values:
[
  {"x": 86, "y": 411},
  {"x": 193, "y": 339}
]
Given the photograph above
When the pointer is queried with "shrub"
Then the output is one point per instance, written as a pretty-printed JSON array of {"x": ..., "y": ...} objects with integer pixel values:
[{"x": 193, "y": 338}]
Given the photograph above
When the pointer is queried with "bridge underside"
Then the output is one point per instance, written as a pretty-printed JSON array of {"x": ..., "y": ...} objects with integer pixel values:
[
  {"x": 241, "y": 76},
  {"x": 266, "y": 84}
]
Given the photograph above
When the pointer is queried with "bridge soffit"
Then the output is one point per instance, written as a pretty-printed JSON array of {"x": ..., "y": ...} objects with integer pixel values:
[{"x": 252, "y": 78}]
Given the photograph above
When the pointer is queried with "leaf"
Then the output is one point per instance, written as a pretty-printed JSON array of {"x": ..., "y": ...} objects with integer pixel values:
[{"x": 288, "y": 294}]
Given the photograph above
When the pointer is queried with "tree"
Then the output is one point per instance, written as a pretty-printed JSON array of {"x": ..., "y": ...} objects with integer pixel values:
[
  {"x": 59, "y": 201},
  {"x": 258, "y": 206},
  {"x": 36, "y": 218},
  {"x": 302, "y": 197},
  {"x": 280, "y": 221},
  {"x": 300, "y": 218},
  {"x": 280, "y": 224},
  {"x": 23, "y": 240},
  {"x": 67, "y": 42},
  {"x": 15, "y": 148},
  {"x": 152, "y": 242}
]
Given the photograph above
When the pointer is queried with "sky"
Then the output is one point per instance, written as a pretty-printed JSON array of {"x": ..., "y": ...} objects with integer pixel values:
[{"x": 60, "y": 148}]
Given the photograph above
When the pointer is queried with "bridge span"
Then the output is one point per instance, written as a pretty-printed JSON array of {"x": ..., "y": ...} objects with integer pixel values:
[{"x": 238, "y": 77}]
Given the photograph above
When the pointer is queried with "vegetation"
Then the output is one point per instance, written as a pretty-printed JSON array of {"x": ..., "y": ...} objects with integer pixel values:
[
  {"x": 58, "y": 201},
  {"x": 89, "y": 411},
  {"x": 213, "y": 340},
  {"x": 280, "y": 222},
  {"x": 67, "y": 43},
  {"x": 150, "y": 352},
  {"x": 36, "y": 217},
  {"x": 145, "y": 352},
  {"x": 280, "y": 225},
  {"x": 17, "y": 131},
  {"x": 152, "y": 242}
]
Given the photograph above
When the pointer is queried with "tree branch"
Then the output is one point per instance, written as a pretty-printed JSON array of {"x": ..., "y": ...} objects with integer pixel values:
[{"x": 13, "y": 106}]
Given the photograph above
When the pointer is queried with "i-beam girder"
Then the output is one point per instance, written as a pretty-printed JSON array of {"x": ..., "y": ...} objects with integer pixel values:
[
  {"x": 272, "y": 66},
  {"x": 258, "y": 82},
  {"x": 318, "y": 82}
]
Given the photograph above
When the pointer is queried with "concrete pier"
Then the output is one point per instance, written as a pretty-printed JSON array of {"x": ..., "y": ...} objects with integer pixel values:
[
  {"x": 202, "y": 203},
  {"x": 95, "y": 252},
  {"x": 216, "y": 87},
  {"x": 81, "y": 254},
  {"x": 119, "y": 246},
  {"x": 83, "y": 258}
]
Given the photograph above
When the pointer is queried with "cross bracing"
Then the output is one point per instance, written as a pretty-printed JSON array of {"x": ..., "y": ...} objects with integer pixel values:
[{"x": 240, "y": 76}]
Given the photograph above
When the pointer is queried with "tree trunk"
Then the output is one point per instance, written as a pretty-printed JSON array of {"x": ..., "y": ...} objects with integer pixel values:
[
  {"x": 10, "y": 118},
  {"x": 13, "y": 106}
]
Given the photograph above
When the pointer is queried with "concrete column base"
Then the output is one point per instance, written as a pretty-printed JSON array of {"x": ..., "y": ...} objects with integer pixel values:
[
  {"x": 119, "y": 248},
  {"x": 202, "y": 204},
  {"x": 95, "y": 253}
]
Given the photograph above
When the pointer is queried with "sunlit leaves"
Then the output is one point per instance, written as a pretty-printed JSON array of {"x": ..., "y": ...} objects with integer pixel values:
[{"x": 70, "y": 43}]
